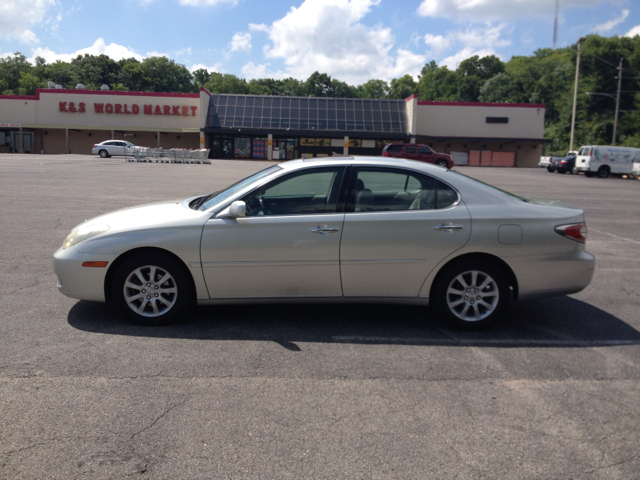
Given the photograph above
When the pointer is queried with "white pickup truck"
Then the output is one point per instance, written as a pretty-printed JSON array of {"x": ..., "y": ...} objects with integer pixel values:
[{"x": 604, "y": 161}]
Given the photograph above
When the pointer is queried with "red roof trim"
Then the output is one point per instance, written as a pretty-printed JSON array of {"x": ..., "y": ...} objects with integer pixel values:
[
  {"x": 202, "y": 89},
  {"x": 482, "y": 104},
  {"x": 18, "y": 97},
  {"x": 98, "y": 92},
  {"x": 408, "y": 99}
]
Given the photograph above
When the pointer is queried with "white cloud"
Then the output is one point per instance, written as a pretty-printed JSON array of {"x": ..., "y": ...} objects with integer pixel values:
[
  {"x": 606, "y": 26},
  {"x": 113, "y": 50},
  {"x": 17, "y": 16},
  {"x": 454, "y": 60},
  {"x": 200, "y": 3},
  {"x": 240, "y": 41},
  {"x": 184, "y": 51},
  {"x": 481, "y": 41},
  {"x": 157, "y": 54},
  {"x": 327, "y": 36},
  {"x": 633, "y": 32},
  {"x": 198, "y": 66},
  {"x": 251, "y": 71},
  {"x": 487, "y": 10},
  {"x": 438, "y": 43}
]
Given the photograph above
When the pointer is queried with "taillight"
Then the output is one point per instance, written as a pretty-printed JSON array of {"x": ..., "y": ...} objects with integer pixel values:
[
  {"x": 385, "y": 154},
  {"x": 574, "y": 231},
  {"x": 95, "y": 145}
]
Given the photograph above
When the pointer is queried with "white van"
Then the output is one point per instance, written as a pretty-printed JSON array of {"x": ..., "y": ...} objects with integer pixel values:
[{"x": 604, "y": 161}]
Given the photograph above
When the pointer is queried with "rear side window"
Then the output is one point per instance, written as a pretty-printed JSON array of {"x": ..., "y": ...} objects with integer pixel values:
[
  {"x": 381, "y": 190},
  {"x": 393, "y": 148}
]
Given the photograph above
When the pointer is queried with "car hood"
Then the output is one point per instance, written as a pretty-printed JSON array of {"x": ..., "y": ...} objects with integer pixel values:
[{"x": 150, "y": 215}]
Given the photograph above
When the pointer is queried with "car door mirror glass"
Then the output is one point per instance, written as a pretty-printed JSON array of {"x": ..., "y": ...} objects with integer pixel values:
[{"x": 237, "y": 209}]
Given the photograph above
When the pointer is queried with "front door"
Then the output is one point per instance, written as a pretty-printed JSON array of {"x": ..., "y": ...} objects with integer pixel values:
[
  {"x": 288, "y": 244},
  {"x": 398, "y": 232}
]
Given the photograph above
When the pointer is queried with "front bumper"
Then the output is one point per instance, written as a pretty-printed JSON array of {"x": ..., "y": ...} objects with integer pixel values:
[{"x": 76, "y": 281}]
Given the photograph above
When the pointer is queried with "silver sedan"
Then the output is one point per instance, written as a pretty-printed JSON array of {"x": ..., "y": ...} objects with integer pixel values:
[{"x": 339, "y": 229}]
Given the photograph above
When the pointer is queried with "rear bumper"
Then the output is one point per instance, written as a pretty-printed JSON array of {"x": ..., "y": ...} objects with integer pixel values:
[{"x": 553, "y": 275}]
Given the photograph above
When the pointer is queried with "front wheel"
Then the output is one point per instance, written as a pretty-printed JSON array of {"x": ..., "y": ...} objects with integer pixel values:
[
  {"x": 442, "y": 163},
  {"x": 471, "y": 295},
  {"x": 551, "y": 169},
  {"x": 103, "y": 154},
  {"x": 575, "y": 171},
  {"x": 152, "y": 289}
]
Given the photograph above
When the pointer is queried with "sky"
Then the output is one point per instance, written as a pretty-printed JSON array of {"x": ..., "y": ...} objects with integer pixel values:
[{"x": 351, "y": 40}]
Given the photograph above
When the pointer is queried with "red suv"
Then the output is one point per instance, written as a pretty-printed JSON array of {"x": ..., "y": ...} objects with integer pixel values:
[{"x": 421, "y": 153}]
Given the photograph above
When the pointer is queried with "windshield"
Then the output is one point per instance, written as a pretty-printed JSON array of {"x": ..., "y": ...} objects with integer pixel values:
[
  {"x": 221, "y": 196},
  {"x": 491, "y": 186}
]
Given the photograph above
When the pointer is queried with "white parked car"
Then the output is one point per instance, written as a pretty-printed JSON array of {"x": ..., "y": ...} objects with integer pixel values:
[
  {"x": 329, "y": 230},
  {"x": 110, "y": 148}
]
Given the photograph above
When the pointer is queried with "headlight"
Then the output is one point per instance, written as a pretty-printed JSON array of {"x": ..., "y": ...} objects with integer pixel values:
[{"x": 83, "y": 233}]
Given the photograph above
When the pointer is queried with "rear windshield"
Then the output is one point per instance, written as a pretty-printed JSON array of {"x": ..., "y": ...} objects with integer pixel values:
[
  {"x": 393, "y": 148},
  {"x": 490, "y": 186}
]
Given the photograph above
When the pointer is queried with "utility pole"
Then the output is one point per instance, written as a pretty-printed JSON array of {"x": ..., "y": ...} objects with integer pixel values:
[
  {"x": 615, "y": 121},
  {"x": 575, "y": 94}
]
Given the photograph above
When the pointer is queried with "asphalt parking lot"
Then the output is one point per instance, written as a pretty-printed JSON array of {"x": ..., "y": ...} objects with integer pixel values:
[{"x": 313, "y": 391}]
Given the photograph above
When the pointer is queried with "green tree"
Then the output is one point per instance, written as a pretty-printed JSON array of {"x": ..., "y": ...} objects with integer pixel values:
[
  {"x": 164, "y": 75},
  {"x": 93, "y": 71},
  {"x": 227, "y": 83},
  {"x": 402, "y": 87},
  {"x": 437, "y": 83},
  {"x": 373, "y": 89},
  {"x": 499, "y": 88},
  {"x": 11, "y": 70},
  {"x": 473, "y": 72},
  {"x": 200, "y": 77},
  {"x": 131, "y": 75},
  {"x": 28, "y": 84},
  {"x": 61, "y": 73}
]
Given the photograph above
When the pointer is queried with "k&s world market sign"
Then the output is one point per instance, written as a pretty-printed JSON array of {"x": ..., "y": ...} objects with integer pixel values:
[{"x": 129, "y": 109}]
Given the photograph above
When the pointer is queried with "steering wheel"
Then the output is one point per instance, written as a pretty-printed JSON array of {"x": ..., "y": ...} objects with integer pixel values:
[{"x": 263, "y": 206}]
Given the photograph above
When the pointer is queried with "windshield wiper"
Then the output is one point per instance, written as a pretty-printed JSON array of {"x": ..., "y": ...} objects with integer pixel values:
[{"x": 198, "y": 202}]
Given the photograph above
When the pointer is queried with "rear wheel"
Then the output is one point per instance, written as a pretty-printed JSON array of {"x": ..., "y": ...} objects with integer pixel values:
[
  {"x": 152, "y": 289},
  {"x": 471, "y": 294},
  {"x": 103, "y": 154},
  {"x": 603, "y": 172},
  {"x": 575, "y": 171}
]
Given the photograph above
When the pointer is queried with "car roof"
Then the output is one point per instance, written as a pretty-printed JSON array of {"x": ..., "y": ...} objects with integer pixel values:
[{"x": 362, "y": 160}]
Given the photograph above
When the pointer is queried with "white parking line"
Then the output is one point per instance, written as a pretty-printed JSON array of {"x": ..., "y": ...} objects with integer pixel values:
[{"x": 486, "y": 342}]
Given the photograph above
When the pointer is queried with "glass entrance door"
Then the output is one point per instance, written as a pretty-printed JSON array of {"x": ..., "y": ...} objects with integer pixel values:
[{"x": 287, "y": 147}]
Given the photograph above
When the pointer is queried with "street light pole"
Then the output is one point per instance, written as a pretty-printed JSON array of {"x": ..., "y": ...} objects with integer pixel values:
[
  {"x": 615, "y": 121},
  {"x": 575, "y": 94}
]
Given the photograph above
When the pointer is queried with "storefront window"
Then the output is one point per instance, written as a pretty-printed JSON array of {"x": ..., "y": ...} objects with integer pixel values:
[
  {"x": 242, "y": 147},
  {"x": 259, "y": 148}
]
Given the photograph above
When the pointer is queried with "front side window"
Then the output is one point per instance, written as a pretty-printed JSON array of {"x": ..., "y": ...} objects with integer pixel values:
[
  {"x": 300, "y": 193},
  {"x": 380, "y": 190}
]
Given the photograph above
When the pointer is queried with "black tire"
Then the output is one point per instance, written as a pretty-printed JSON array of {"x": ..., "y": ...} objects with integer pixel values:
[
  {"x": 551, "y": 169},
  {"x": 575, "y": 171},
  {"x": 442, "y": 163},
  {"x": 103, "y": 154},
  {"x": 166, "y": 295},
  {"x": 603, "y": 172},
  {"x": 475, "y": 306},
  {"x": 589, "y": 174}
]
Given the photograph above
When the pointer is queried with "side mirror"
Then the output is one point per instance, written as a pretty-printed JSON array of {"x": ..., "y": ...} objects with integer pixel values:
[{"x": 238, "y": 209}]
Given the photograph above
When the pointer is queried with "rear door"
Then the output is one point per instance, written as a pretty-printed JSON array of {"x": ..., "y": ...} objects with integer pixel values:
[{"x": 390, "y": 244}]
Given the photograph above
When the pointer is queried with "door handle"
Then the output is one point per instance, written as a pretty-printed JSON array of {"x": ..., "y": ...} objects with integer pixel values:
[
  {"x": 448, "y": 228},
  {"x": 322, "y": 230}
]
